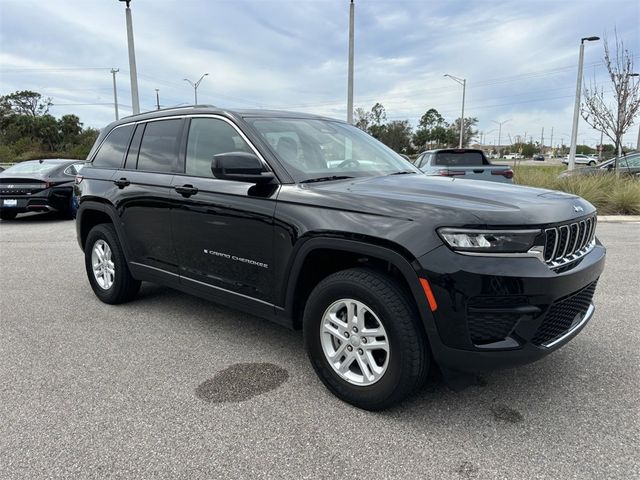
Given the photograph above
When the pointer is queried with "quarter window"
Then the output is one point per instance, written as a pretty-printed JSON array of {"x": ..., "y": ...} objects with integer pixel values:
[
  {"x": 113, "y": 148},
  {"x": 159, "y": 147},
  {"x": 209, "y": 137}
]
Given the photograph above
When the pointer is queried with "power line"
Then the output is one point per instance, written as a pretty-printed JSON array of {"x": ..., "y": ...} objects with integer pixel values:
[
  {"x": 50, "y": 69},
  {"x": 88, "y": 104}
]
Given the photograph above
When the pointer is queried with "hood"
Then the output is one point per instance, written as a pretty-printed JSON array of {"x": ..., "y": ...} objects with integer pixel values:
[{"x": 455, "y": 201}]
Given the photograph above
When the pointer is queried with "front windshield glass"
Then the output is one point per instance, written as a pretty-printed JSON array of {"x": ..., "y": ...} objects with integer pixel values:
[
  {"x": 27, "y": 168},
  {"x": 326, "y": 150}
]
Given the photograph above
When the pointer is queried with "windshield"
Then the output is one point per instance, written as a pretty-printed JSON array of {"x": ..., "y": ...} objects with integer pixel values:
[
  {"x": 26, "y": 168},
  {"x": 328, "y": 150}
]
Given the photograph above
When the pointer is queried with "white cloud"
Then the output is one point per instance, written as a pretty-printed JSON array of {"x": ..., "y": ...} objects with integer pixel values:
[{"x": 519, "y": 58}]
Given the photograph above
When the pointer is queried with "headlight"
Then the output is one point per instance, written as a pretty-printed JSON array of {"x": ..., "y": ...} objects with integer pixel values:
[{"x": 490, "y": 241}]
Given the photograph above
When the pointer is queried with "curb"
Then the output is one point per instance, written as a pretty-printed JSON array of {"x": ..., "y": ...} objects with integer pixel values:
[{"x": 619, "y": 218}]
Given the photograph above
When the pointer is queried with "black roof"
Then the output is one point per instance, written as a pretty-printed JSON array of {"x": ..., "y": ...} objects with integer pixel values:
[{"x": 212, "y": 109}]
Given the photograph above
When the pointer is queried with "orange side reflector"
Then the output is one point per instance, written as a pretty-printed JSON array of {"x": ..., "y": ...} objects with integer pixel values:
[{"x": 429, "y": 294}]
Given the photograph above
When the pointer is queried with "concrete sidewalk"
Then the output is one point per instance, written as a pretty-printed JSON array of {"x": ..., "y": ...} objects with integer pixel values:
[{"x": 619, "y": 218}]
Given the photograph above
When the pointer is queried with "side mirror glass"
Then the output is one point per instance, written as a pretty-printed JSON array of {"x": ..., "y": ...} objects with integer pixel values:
[{"x": 240, "y": 167}]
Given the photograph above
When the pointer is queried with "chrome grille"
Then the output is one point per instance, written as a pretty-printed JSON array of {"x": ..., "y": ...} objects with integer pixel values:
[{"x": 566, "y": 243}]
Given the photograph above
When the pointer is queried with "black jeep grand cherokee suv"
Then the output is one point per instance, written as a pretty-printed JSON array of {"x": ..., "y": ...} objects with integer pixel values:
[{"x": 311, "y": 223}]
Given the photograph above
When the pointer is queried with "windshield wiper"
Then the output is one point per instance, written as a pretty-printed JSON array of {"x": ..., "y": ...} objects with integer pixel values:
[
  {"x": 403, "y": 172},
  {"x": 326, "y": 179}
]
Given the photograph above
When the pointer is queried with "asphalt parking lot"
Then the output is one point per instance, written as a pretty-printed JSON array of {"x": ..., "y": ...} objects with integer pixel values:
[{"x": 173, "y": 386}]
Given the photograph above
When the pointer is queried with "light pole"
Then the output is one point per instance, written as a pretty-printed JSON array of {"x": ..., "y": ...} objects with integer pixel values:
[
  {"x": 484, "y": 135},
  {"x": 576, "y": 108},
  {"x": 195, "y": 86},
  {"x": 350, "y": 67},
  {"x": 157, "y": 99},
  {"x": 500, "y": 135},
  {"x": 115, "y": 91},
  {"x": 135, "y": 101},
  {"x": 463, "y": 82}
]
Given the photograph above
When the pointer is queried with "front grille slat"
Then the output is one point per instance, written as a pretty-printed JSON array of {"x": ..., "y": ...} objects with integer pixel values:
[
  {"x": 588, "y": 233},
  {"x": 551, "y": 244},
  {"x": 563, "y": 242},
  {"x": 573, "y": 238},
  {"x": 582, "y": 229},
  {"x": 567, "y": 243}
]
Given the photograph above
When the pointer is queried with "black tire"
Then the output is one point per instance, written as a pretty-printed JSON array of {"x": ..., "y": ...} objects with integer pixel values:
[
  {"x": 592, "y": 163},
  {"x": 8, "y": 215},
  {"x": 408, "y": 363},
  {"x": 124, "y": 287}
]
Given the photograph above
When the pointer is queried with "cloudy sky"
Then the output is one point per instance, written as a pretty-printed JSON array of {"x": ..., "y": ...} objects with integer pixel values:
[{"x": 519, "y": 57}]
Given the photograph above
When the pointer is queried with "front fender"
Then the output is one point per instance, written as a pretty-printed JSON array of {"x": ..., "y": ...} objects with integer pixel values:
[{"x": 406, "y": 266}]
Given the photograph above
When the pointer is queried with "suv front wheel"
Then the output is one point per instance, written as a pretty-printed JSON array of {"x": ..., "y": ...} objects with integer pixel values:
[
  {"x": 363, "y": 339},
  {"x": 107, "y": 268}
]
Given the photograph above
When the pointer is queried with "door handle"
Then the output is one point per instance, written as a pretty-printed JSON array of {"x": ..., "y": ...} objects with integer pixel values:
[
  {"x": 123, "y": 182},
  {"x": 186, "y": 190}
]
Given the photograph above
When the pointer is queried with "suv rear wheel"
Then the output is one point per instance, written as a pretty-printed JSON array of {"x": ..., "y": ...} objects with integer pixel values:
[
  {"x": 363, "y": 339},
  {"x": 107, "y": 268}
]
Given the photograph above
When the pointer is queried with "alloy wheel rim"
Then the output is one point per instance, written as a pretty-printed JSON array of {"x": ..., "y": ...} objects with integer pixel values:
[
  {"x": 354, "y": 342},
  {"x": 102, "y": 264}
]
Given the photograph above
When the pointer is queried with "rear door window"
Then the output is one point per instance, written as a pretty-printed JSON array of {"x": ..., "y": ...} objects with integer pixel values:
[
  {"x": 160, "y": 145},
  {"x": 112, "y": 150},
  {"x": 633, "y": 161},
  {"x": 459, "y": 159}
]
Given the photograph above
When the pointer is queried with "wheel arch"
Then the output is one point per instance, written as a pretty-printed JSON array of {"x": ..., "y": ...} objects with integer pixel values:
[
  {"x": 92, "y": 213},
  {"x": 310, "y": 266}
]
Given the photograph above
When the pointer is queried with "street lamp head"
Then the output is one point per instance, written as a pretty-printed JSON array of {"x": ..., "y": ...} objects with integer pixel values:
[
  {"x": 589, "y": 39},
  {"x": 126, "y": 1}
]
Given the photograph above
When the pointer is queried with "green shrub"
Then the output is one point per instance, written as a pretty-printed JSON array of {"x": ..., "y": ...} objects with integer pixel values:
[
  {"x": 7, "y": 154},
  {"x": 625, "y": 198},
  {"x": 610, "y": 194}
]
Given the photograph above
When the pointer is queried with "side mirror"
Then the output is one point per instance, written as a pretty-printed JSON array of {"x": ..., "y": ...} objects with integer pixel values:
[{"x": 240, "y": 167}]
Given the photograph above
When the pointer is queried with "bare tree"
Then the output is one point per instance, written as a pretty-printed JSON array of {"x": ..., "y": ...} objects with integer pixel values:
[{"x": 615, "y": 117}]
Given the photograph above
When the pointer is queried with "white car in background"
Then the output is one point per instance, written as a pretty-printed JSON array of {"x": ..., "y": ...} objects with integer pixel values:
[{"x": 582, "y": 159}]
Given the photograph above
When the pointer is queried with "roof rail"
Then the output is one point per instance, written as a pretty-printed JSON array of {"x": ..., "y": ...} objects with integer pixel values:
[{"x": 183, "y": 107}]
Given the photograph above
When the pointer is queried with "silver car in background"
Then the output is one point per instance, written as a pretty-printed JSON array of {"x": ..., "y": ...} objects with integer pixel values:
[{"x": 464, "y": 163}]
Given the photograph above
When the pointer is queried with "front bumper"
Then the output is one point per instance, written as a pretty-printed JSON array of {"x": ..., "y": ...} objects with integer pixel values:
[{"x": 501, "y": 312}]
